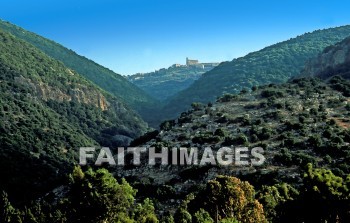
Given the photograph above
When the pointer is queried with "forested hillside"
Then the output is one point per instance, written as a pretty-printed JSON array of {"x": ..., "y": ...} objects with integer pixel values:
[
  {"x": 273, "y": 64},
  {"x": 165, "y": 83},
  {"x": 111, "y": 82},
  {"x": 48, "y": 111}
]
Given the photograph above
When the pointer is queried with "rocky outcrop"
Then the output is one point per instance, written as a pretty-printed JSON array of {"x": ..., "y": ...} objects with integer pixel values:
[
  {"x": 334, "y": 60},
  {"x": 81, "y": 93}
]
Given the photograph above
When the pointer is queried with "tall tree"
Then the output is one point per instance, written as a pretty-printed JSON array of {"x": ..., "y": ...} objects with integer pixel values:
[{"x": 229, "y": 197}]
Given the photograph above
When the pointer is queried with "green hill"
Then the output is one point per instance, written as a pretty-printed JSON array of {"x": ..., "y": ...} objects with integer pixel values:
[
  {"x": 111, "y": 82},
  {"x": 165, "y": 83},
  {"x": 273, "y": 64},
  {"x": 48, "y": 111},
  {"x": 304, "y": 121}
]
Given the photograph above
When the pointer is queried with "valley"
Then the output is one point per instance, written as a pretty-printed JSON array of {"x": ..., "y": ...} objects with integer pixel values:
[{"x": 258, "y": 139}]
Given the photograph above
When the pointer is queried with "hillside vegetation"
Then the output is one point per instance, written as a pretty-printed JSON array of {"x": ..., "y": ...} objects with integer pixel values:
[
  {"x": 303, "y": 127},
  {"x": 165, "y": 83},
  {"x": 111, "y": 82},
  {"x": 48, "y": 111},
  {"x": 273, "y": 64},
  {"x": 300, "y": 125}
]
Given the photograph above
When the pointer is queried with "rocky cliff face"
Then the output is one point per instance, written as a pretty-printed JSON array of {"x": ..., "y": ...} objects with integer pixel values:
[
  {"x": 334, "y": 60},
  {"x": 81, "y": 93}
]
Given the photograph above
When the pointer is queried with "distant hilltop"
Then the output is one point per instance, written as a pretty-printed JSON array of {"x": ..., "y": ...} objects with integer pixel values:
[
  {"x": 197, "y": 64},
  {"x": 190, "y": 62},
  {"x": 166, "y": 82}
]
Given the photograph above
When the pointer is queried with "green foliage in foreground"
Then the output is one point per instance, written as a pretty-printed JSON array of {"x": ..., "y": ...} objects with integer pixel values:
[
  {"x": 91, "y": 196},
  {"x": 228, "y": 198},
  {"x": 322, "y": 197},
  {"x": 96, "y": 196}
]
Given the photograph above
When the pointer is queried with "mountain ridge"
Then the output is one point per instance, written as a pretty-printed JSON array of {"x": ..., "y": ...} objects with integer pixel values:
[
  {"x": 105, "y": 78},
  {"x": 273, "y": 64}
]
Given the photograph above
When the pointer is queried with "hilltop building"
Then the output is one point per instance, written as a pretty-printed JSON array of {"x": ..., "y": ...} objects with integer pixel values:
[{"x": 190, "y": 62}]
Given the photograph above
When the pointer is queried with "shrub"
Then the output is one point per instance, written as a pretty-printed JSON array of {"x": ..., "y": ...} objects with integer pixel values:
[
  {"x": 220, "y": 132},
  {"x": 167, "y": 125},
  {"x": 197, "y": 106},
  {"x": 145, "y": 138},
  {"x": 271, "y": 93},
  {"x": 202, "y": 216},
  {"x": 227, "y": 98},
  {"x": 206, "y": 138}
]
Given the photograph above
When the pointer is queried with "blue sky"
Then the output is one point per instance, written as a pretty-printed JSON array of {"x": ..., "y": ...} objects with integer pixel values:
[{"x": 130, "y": 36}]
